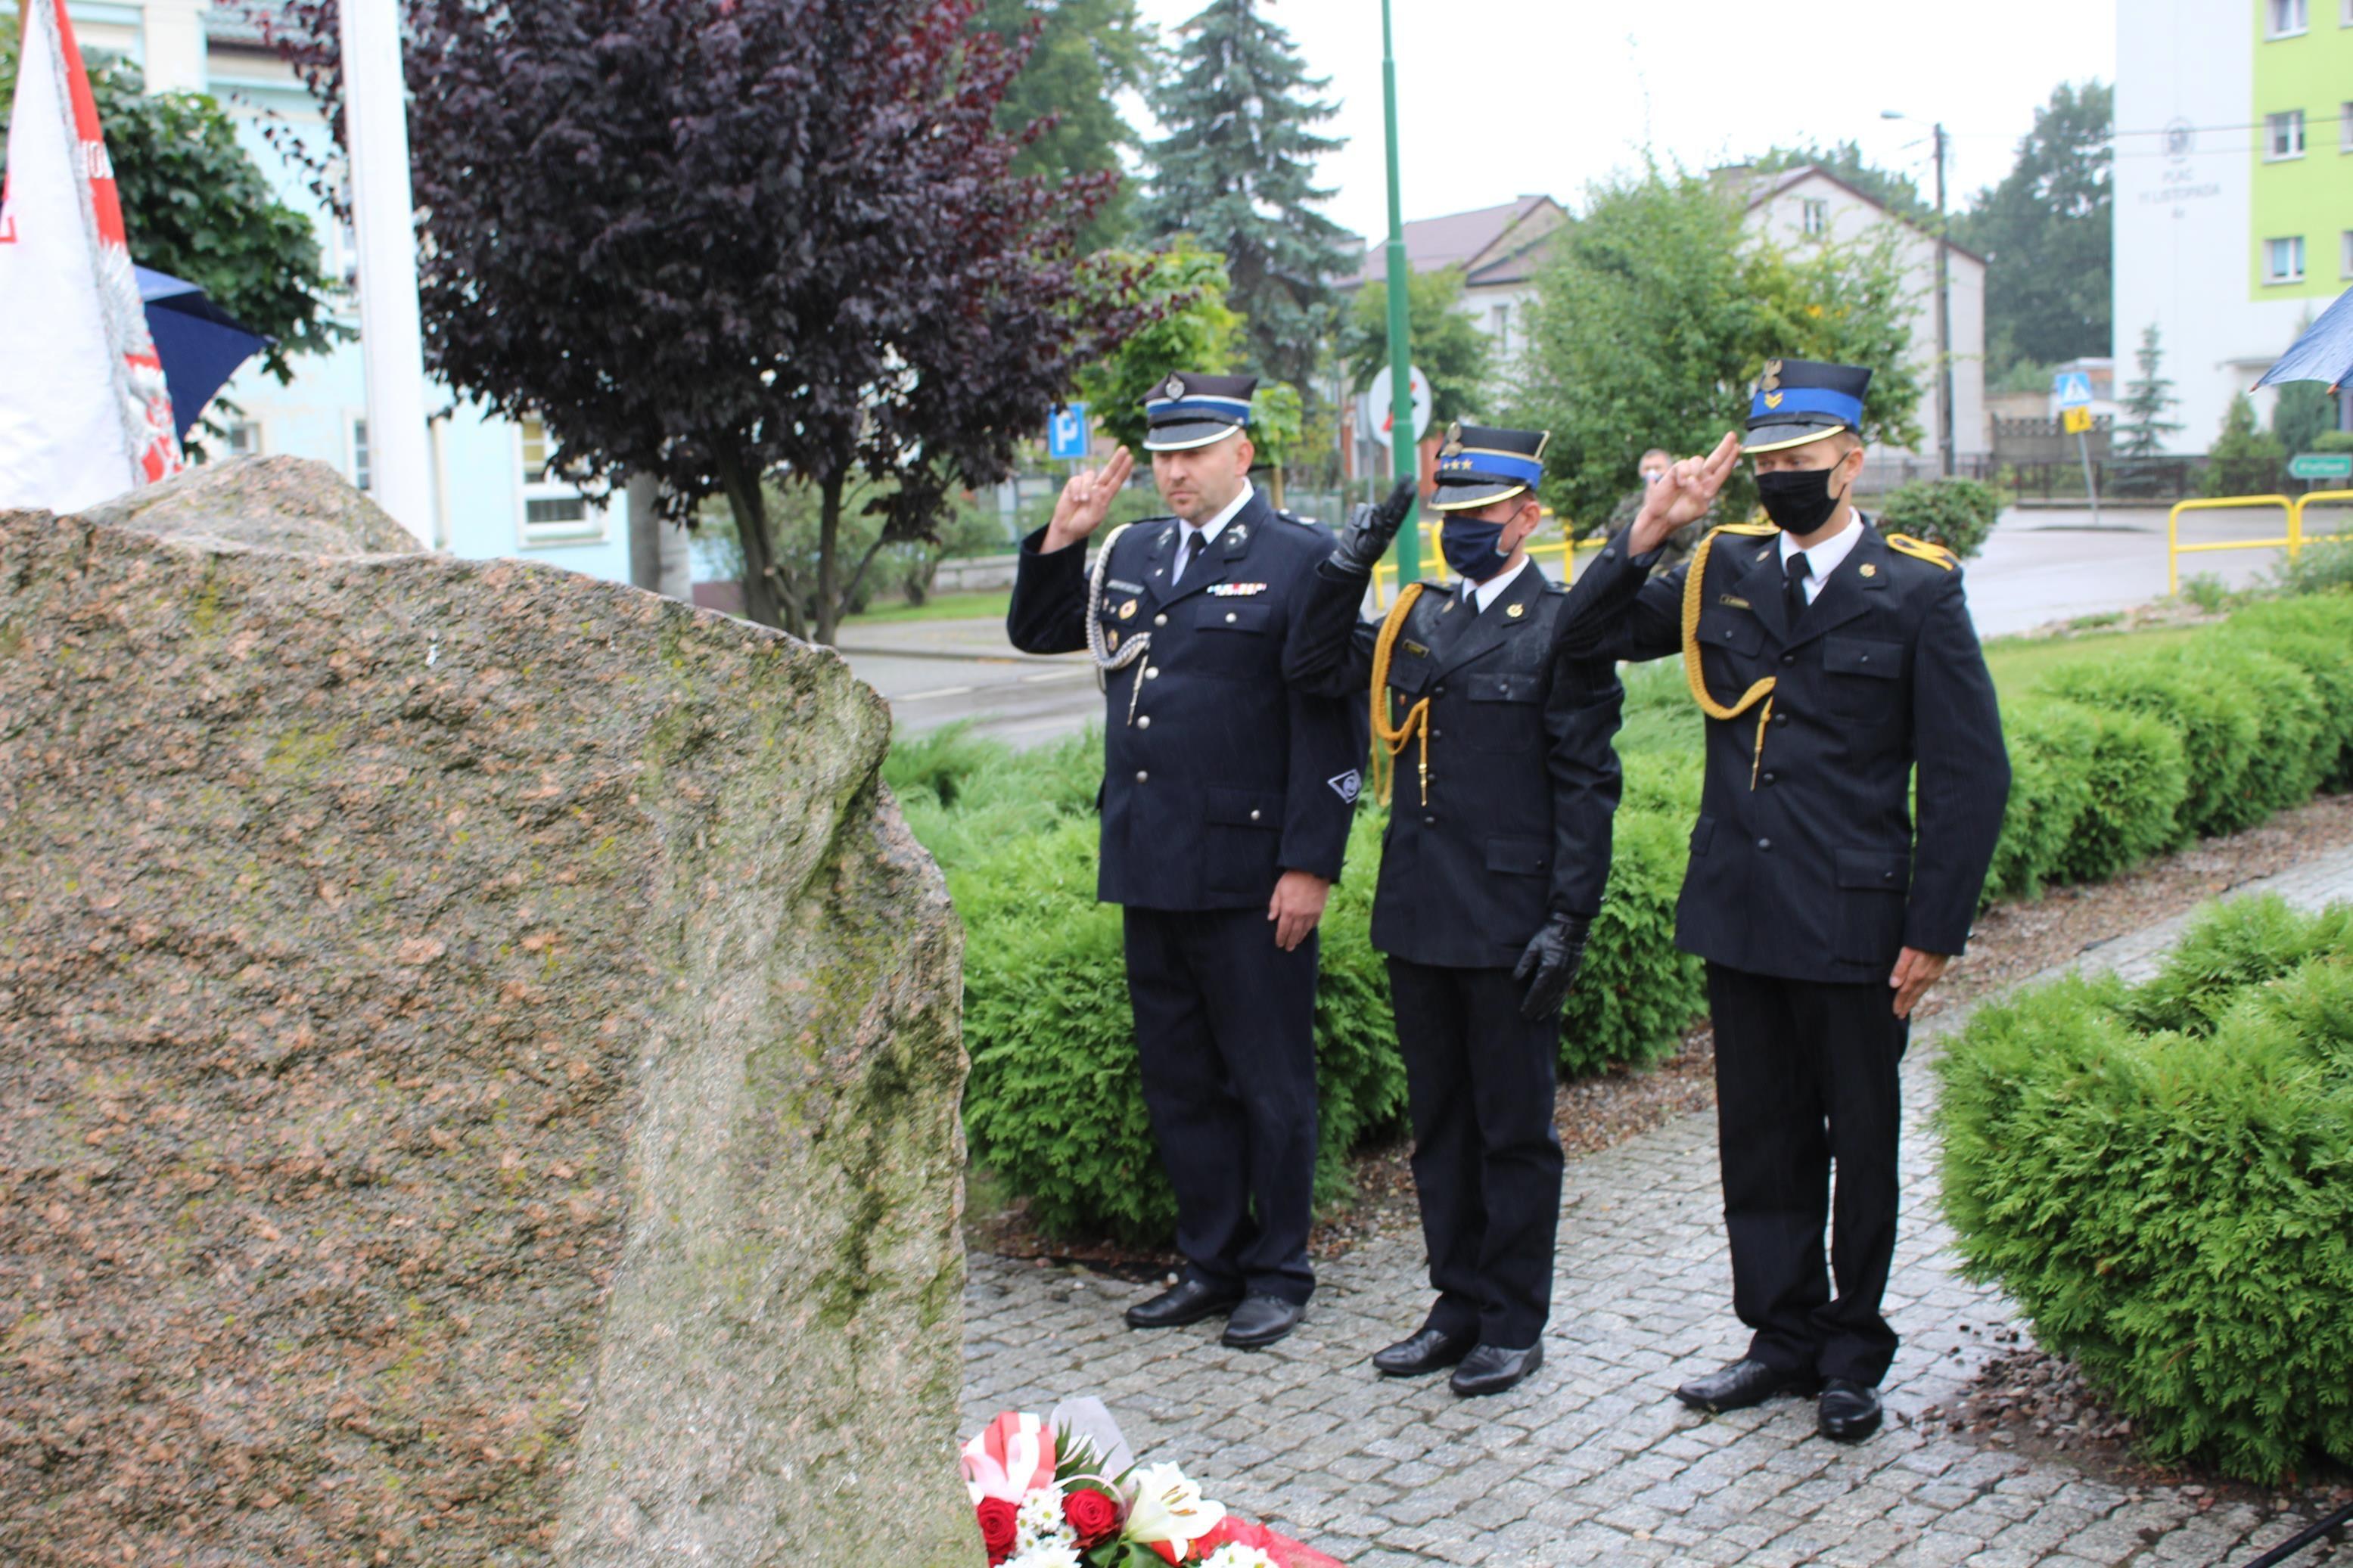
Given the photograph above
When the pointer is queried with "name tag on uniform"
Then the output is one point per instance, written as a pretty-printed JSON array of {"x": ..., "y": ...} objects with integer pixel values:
[
  {"x": 1416, "y": 649},
  {"x": 1235, "y": 590},
  {"x": 1737, "y": 604},
  {"x": 1119, "y": 587}
]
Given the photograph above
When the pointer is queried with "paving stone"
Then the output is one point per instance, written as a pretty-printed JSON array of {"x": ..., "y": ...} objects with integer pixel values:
[{"x": 1592, "y": 1460}]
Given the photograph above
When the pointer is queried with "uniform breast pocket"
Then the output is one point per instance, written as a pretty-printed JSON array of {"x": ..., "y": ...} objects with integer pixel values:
[
  {"x": 1231, "y": 636},
  {"x": 1728, "y": 639},
  {"x": 1503, "y": 713},
  {"x": 1861, "y": 679}
]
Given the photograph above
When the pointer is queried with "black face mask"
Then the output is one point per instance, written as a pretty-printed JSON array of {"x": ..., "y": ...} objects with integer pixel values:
[{"x": 1799, "y": 500}]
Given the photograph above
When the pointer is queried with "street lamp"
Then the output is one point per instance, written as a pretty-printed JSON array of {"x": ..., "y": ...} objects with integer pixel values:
[
  {"x": 1405, "y": 450},
  {"x": 1944, "y": 310}
]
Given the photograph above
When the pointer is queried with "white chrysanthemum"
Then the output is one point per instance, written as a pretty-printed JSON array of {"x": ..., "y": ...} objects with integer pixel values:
[
  {"x": 1051, "y": 1554},
  {"x": 1234, "y": 1555},
  {"x": 1039, "y": 1521}
]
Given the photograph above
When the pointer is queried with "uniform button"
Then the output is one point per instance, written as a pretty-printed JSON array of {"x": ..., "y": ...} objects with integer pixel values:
[
  {"x": 1160, "y": 620},
  {"x": 1429, "y": 821},
  {"x": 1151, "y": 672},
  {"x": 1253, "y": 814},
  {"x": 1768, "y": 777},
  {"x": 1788, "y": 658},
  {"x": 1434, "y": 734},
  {"x": 1887, "y": 876},
  {"x": 1777, "y": 718},
  {"x": 1864, "y": 659},
  {"x": 1143, "y": 723},
  {"x": 1142, "y": 777},
  {"x": 1440, "y": 692},
  {"x": 1764, "y": 844},
  {"x": 1230, "y": 617}
]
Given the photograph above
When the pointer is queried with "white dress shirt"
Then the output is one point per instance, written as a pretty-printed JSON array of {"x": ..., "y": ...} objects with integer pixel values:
[
  {"x": 1823, "y": 559},
  {"x": 1486, "y": 593},
  {"x": 1210, "y": 529}
]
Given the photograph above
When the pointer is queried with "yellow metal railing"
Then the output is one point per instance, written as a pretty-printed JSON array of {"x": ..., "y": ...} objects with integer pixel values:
[
  {"x": 2175, "y": 550},
  {"x": 1563, "y": 550}
]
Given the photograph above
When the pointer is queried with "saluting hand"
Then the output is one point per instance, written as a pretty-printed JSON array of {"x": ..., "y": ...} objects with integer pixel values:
[
  {"x": 1370, "y": 529},
  {"x": 1086, "y": 500},
  {"x": 1683, "y": 495}
]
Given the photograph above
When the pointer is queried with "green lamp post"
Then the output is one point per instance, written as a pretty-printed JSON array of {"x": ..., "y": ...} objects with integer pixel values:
[{"x": 1405, "y": 451}]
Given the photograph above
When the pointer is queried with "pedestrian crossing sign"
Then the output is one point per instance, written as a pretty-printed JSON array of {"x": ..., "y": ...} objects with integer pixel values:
[{"x": 2071, "y": 389}]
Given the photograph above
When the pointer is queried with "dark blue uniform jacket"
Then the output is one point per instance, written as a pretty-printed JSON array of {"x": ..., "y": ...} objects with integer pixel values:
[
  {"x": 1818, "y": 872},
  {"x": 1523, "y": 779},
  {"x": 1225, "y": 777}
]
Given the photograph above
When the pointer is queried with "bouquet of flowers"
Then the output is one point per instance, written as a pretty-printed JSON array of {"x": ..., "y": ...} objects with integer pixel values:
[{"x": 1048, "y": 1496}]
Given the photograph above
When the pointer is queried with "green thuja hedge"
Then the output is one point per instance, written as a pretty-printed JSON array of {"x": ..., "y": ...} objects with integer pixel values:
[{"x": 2162, "y": 1177}]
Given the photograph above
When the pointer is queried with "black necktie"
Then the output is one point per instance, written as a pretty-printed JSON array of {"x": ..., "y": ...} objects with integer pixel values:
[
  {"x": 1184, "y": 554},
  {"x": 1794, "y": 585}
]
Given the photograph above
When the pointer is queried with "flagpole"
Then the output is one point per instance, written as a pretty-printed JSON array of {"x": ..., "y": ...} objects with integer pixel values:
[
  {"x": 391, "y": 334},
  {"x": 1405, "y": 449}
]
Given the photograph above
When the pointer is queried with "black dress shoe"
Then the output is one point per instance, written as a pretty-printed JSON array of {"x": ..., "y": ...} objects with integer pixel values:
[
  {"x": 1742, "y": 1383},
  {"x": 1426, "y": 1353},
  {"x": 1848, "y": 1412},
  {"x": 1261, "y": 1321},
  {"x": 1490, "y": 1369},
  {"x": 1187, "y": 1301}
]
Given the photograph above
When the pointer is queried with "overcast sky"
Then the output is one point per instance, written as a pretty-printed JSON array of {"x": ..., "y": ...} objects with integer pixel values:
[{"x": 1504, "y": 97}]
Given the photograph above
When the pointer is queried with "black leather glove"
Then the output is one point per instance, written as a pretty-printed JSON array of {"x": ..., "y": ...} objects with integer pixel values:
[
  {"x": 1371, "y": 528},
  {"x": 1549, "y": 964}
]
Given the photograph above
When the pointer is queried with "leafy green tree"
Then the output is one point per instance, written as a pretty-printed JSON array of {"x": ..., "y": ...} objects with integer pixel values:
[
  {"x": 1189, "y": 326},
  {"x": 1087, "y": 53},
  {"x": 2144, "y": 427},
  {"x": 2045, "y": 232},
  {"x": 1278, "y": 421},
  {"x": 1899, "y": 193},
  {"x": 2244, "y": 460},
  {"x": 1237, "y": 169},
  {"x": 1655, "y": 314},
  {"x": 1456, "y": 357},
  {"x": 195, "y": 206}
]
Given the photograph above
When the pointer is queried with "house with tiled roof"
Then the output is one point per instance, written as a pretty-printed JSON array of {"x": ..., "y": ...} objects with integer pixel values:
[{"x": 1499, "y": 249}]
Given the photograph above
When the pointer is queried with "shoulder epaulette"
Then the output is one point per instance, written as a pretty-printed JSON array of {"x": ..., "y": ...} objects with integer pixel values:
[
  {"x": 1921, "y": 550},
  {"x": 1754, "y": 530},
  {"x": 1296, "y": 521}
]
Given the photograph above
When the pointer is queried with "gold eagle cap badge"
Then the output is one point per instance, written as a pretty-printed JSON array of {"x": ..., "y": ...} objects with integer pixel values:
[
  {"x": 1772, "y": 381},
  {"x": 1453, "y": 447}
]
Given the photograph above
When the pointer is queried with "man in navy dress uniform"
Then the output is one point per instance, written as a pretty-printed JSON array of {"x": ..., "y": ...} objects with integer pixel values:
[
  {"x": 1491, "y": 870},
  {"x": 1226, "y": 804},
  {"x": 1838, "y": 670}
]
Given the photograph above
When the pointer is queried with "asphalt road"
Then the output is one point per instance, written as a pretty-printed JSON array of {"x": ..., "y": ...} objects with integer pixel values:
[{"x": 2037, "y": 567}]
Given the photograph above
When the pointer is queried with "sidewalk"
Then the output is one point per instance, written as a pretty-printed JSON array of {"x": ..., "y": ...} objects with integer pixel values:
[{"x": 1592, "y": 1460}]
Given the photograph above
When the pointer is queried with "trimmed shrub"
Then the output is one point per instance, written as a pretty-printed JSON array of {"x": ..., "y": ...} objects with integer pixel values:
[
  {"x": 2216, "y": 733},
  {"x": 2051, "y": 744},
  {"x": 2134, "y": 780},
  {"x": 2315, "y": 635},
  {"x": 2285, "y": 765},
  {"x": 2171, "y": 1203},
  {"x": 1955, "y": 513},
  {"x": 1636, "y": 992}
]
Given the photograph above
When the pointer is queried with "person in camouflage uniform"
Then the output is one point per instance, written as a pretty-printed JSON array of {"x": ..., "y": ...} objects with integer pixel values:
[{"x": 1680, "y": 543}]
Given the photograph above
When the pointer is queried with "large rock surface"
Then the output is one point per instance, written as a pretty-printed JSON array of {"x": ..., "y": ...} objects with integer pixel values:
[{"x": 482, "y": 1064}]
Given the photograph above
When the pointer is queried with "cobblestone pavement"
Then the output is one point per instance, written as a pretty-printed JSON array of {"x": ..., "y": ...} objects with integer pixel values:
[{"x": 1592, "y": 1460}]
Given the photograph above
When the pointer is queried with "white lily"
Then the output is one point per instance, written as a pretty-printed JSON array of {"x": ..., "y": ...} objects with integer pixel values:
[{"x": 1169, "y": 1507}]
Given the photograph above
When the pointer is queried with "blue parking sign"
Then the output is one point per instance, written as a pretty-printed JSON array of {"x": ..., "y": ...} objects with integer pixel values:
[
  {"x": 2071, "y": 389},
  {"x": 1066, "y": 433}
]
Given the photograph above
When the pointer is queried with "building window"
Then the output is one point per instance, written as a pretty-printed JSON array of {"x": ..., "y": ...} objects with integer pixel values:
[
  {"x": 2345, "y": 121},
  {"x": 552, "y": 512},
  {"x": 1815, "y": 217},
  {"x": 245, "y": 439},
  {"x": 2287, "y": 17},
  {"x": 2284, "y": 261},
  {"x": 2283, "y": 134},
  {"x": 1502, "y": 319},
  {"x": 362, "y": 468}
]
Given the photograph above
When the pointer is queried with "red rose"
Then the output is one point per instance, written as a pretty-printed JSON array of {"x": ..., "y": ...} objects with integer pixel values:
[
  {"x": 1092, "y": 1516},
  {"x": 997, "y": 1530}
]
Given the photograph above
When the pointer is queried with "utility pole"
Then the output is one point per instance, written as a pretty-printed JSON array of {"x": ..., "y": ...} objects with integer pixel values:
[
  {"x": 392, "y": 335},
  {"x": 1943, "y": 319},
  {"x": 1405, "y": 449}
]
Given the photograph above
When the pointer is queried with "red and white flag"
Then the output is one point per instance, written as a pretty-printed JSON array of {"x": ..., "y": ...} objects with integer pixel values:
[{"x": 84, "y": 412}]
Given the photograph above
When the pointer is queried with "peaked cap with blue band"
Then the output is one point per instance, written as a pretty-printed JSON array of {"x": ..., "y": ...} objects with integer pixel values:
[
  {"x": 1480, "y": 464},
  {"x": 1188, "y": 410},
  {"x": 1797, "y": 401}
]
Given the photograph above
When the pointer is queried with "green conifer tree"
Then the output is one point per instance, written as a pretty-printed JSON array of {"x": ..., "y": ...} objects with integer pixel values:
[
  {"x": 2144, "y": 427},
  {"x": 1237, "y": 169}
]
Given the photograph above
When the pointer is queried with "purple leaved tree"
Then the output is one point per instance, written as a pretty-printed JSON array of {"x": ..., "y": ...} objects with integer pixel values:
[{"x": 732, "y": 244}]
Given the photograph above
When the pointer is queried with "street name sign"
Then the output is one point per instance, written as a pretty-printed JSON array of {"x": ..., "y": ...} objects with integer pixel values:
[{"x": 2321, "y": 466}]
